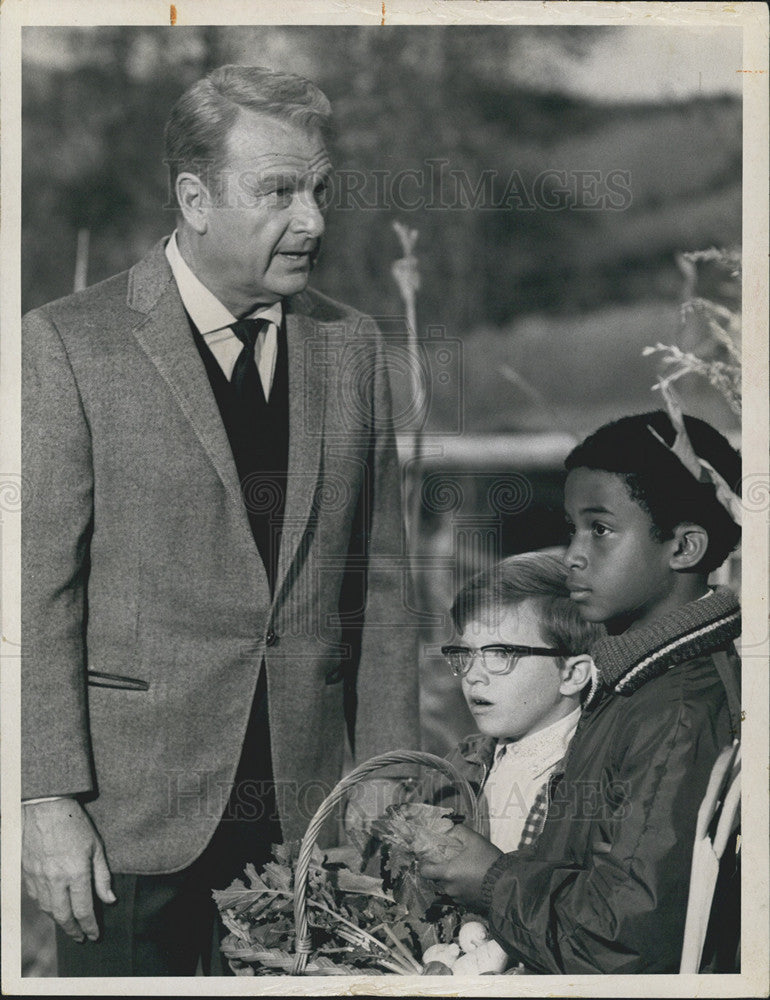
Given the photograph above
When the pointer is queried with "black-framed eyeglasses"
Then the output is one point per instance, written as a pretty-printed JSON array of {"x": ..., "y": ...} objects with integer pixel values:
[{"x": 498, "y": 658}]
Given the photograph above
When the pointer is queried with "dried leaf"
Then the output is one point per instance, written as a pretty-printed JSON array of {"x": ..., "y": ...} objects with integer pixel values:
[
  {"x": 414, "y": 892},
  {"x": 236, "y": 928},
  {"x": 238, "y": 898},
  {"x": 277, "y": 876},
  {"x": 348, "y": 881},
  {"x": 403, "y": 823},
  {"x": 283, "y": 853}
]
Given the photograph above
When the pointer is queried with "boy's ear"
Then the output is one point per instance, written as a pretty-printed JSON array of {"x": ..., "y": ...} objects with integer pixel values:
[
  {"x": 691, "y": 542},
  {"x": 575, "y": 674}
]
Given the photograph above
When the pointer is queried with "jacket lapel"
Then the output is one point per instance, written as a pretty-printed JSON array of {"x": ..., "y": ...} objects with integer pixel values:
[
  {"x": 164, "y": 335},
  {"x": 307, "y": 397}
]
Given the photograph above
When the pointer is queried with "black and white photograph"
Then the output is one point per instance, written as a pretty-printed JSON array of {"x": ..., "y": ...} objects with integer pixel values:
[{"x": 385, "y": 494}]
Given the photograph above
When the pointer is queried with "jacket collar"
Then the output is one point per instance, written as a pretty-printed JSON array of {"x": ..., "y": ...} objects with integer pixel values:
[
  {"x": 478, "y": 749},
  {"x": 624, "y": 662}
]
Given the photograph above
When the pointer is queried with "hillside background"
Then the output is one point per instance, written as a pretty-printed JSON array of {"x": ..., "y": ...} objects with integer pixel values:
[{"x": 568, "y": 296}]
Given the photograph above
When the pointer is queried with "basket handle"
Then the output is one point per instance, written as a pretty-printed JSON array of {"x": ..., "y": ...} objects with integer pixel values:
[{"x": 340, "y": 790}]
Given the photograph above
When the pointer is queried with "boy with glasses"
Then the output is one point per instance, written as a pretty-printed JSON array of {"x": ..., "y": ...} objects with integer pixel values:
[{"x": 521, "y": 657}]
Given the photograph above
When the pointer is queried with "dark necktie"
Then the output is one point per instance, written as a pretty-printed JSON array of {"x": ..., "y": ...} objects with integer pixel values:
[{"x": 245, "y": 380}]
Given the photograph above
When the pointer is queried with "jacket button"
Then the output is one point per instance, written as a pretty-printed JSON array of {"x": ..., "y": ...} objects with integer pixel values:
[{"x": 271, "y": 638}]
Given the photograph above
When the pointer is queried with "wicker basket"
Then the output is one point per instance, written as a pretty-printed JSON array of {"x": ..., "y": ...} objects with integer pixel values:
[{"x": 303, "y": 942}]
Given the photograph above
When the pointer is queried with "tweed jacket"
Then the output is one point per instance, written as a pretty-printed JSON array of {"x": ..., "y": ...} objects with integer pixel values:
[{"x": 138, "y": 563}]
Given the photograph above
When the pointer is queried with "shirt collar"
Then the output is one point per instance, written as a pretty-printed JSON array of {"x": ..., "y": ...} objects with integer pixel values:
[
  {"x": 549, "y": 743},
  {"x": 204, "y": 308}
]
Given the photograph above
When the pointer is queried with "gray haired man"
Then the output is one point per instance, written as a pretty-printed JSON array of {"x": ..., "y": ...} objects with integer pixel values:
[{"x": 215, "y": 588}]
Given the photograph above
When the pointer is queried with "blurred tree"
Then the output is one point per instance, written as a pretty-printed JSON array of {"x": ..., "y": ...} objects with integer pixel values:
[{"x": 434, "y": 128}]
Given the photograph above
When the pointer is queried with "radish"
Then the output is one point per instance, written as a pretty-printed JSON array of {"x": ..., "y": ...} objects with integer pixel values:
[
  {"x": 488, "y": 957},
  {"x": 446, "y": 953},
  {"x": 472, "y": 935},
  {"x": 436, "y": 969}
]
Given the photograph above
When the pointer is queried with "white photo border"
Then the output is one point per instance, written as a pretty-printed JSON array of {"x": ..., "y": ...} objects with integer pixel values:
[{"x": 753, "y": 19}]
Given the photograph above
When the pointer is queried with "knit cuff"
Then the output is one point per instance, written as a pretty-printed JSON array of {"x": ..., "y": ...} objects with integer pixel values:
[{"x": 494, "y": 872}]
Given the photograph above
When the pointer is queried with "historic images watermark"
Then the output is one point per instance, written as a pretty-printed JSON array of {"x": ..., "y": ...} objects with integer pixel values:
[
  {"x": 434, "y": 186},
  {"x": 204, "y": 795},
  {"x": 437, "y": 186}
]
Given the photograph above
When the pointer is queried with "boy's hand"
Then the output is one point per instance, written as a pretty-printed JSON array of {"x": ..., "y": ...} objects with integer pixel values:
[{"x": 461, "y": 876}]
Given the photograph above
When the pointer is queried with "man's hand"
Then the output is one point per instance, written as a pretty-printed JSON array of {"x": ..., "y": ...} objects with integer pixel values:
[
  {"x": 63, "y": 862},
  {"x": 461, "y": 876}
]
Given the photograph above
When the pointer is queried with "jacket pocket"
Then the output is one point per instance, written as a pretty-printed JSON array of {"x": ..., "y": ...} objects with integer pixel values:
[{"x": 98, "y": 678}]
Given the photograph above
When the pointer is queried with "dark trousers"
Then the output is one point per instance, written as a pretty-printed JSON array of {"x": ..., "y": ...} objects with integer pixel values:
[{"x": 165, "y": 925}]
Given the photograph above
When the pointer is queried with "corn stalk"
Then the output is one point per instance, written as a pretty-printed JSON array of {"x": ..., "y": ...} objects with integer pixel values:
[
  {"x": 716, "y": 356},
  {"x": 406, "y": 274},
  {"x": 80, "y": 279}
]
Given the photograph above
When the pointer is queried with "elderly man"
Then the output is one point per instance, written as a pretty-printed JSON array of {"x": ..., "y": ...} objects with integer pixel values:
[{"x": 215, "y": 583}]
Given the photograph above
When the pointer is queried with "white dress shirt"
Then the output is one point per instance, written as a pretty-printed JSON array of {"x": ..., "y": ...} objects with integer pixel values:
[
  {"x": 520, "y": 769},
  {"x": 214, "y": 320}
]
